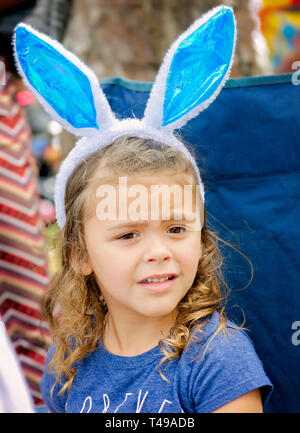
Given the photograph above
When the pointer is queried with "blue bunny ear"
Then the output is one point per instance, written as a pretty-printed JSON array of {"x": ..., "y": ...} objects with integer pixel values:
[
  {"x": 194, "y": 70},
  {"x": 67, "y": 88}
]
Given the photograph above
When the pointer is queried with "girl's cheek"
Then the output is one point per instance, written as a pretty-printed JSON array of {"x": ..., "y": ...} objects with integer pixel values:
[
  {"x": 195, "y": 242},
  {"x": 192, "y": 254}
]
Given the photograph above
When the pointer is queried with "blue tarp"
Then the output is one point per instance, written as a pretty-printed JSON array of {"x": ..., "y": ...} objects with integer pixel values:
[{"x": 248, "y": 147}]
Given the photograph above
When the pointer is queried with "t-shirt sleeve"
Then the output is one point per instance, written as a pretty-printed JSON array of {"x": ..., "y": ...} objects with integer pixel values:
[
  {"x": 230, "y": 368},
  {"x": 55, "y": 403}
]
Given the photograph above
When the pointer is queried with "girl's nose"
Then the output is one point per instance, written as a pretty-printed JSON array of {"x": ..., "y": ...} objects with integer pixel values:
[{"x": 157, "y": 251}]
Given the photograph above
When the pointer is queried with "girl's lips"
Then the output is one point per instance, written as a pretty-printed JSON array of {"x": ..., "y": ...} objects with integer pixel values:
[
  {"x": 158, "y": 276},
  {"x": 158, "y": 287}
]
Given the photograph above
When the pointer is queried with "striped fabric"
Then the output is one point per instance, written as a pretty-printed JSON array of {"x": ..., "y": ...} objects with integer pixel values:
[{"x": 24, "y": 274}]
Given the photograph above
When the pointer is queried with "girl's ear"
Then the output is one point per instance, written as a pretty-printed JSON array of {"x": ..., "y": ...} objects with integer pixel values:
[
  {"x": 67, "y": 88},
  {"x": 193, "y": 71},
  {"x": 86, "y": 268}
]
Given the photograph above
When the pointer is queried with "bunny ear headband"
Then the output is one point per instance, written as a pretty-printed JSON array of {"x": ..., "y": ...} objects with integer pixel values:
[{"x": 192, "y": 74}]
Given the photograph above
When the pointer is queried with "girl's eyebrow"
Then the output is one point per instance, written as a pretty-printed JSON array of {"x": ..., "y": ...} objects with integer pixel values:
[
  {"x": 143, "y": 223},
  {"x": 128, "y": 225}
]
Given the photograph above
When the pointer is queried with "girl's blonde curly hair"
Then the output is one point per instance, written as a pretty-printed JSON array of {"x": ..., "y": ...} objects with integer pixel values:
[{"x": 74, "y": 306}]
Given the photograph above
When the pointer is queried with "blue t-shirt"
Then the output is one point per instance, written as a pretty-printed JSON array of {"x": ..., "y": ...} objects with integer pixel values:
[{"x": 108, "y": 383}]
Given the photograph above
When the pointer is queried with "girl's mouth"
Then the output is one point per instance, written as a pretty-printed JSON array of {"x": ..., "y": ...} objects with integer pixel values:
[{"x": 161, "y": 284}]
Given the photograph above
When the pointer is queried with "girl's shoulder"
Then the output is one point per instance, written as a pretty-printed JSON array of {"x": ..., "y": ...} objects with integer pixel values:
[
  {"x": 223, "y": 363},
  {"x": 219, "y": 342}
]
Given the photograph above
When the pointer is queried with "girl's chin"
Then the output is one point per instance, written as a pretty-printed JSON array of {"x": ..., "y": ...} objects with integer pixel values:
[{"x": 150, "y": 310}]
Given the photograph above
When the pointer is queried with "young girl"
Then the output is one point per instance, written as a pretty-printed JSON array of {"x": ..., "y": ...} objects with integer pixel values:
[{"x": 137, "y": 308}]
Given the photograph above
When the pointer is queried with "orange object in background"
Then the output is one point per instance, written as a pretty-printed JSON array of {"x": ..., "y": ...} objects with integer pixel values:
[{"x": 280, "y": 25}]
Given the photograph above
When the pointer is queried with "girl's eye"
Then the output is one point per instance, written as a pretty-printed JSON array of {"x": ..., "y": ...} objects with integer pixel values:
[
  {"x": 127, "y": 236},
  {"x": 177, "y": 230}
]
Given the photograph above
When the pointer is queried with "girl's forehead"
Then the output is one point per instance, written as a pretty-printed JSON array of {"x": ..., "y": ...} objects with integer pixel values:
[
  {"x": 146, "y": 196},
  {"x": 146, "y": 178}
]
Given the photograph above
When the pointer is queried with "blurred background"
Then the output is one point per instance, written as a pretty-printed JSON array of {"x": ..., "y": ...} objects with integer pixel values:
[{"x": 115, "y": 38}]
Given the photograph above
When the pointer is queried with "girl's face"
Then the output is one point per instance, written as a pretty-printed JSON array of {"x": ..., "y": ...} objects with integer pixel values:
[{"x": 128, "y": 257}]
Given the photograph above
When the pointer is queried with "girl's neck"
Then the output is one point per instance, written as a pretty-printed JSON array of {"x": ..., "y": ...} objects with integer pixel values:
[{"x": 120, "y": 339}]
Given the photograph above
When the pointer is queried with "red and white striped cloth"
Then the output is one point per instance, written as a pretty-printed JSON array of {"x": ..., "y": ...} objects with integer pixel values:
[{"x": 24, "y": 273}]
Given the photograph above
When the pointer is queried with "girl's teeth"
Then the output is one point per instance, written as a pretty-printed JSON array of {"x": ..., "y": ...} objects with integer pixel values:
[{"x": 156, "y": 280}]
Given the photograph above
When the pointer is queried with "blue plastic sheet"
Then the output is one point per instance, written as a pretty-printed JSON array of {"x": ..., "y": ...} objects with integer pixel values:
[
  {"x": 247, "y": 146},
  {"x": 57, "y": 79},
  {"x": 199, "y": 65}
]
